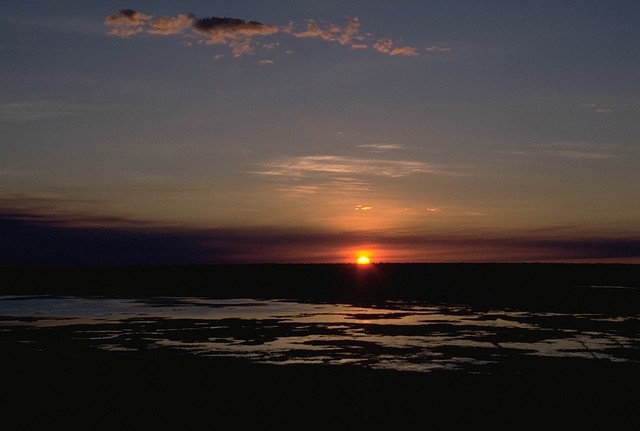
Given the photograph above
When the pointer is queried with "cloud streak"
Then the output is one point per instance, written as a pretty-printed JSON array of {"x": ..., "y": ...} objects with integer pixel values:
[
  {"x": 328, "y": 174},
  {"x": 436, "y": 48},
  {"x": 239, "y": 34},
  {"x": 381, "y": 148},
  {"x": 571, "y": 150},
  {"x": 345, "y": 186},
  {"x": 598, "y": 109},
  {"x": 340, "y": 165},
  {"x": 26, "y": 111},
  {"x": 579, "y": 150}
]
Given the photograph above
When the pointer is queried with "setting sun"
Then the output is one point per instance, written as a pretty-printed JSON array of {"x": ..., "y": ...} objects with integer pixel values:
[{"x": 363, "y": 260}]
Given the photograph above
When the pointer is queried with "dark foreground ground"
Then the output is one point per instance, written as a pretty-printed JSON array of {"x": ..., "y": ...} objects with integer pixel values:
[
  {"x": 62, "y": 385},
  {"x": 116, "y": 390}
]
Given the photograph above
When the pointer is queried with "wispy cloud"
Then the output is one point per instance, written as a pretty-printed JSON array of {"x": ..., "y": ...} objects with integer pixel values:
[
  {"x": 579, "y": 154},
  {"x": 339, "y": 175},
  {"x": 238, "y": 34},
  {"x": 387, "y": 46},
  {"x": 597, "y": 108},
  {"x": 25, "y": 111},
  {"x": 127, "y": 22},
  {"x": 324, "y": 164},
  {"x": 349, "y": 34},
  {"x": 579, "y": 150},
  {"x": 570, "y": 150},
  {"x": 381, "y": 147},
  {"x": 436, "y": 48},
  {"x": 300, "y": 190},
  {"x": 335, "y": 186}
]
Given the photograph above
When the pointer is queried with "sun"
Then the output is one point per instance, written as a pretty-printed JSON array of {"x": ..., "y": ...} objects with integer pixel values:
[{"x": 363, "y": 260}]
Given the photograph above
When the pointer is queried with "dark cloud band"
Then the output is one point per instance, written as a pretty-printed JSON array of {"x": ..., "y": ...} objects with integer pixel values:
[{"x": 31, "y": 239}]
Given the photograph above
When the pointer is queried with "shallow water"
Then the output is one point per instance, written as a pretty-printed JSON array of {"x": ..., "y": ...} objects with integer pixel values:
[{"x": 396, "y": 335}]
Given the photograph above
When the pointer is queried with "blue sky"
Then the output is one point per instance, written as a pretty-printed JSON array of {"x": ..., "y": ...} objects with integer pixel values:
[{"x": 315, "y": 130}]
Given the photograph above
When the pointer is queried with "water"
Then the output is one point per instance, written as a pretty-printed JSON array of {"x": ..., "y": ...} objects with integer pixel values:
[{"x": 401, "y": 335}]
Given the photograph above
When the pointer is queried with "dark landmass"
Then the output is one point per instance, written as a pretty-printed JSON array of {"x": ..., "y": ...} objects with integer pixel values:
[
  {"x": 166, "y": 390},
  {"x": 59, "y": 381},
  {"x": 561, "y": 287}
]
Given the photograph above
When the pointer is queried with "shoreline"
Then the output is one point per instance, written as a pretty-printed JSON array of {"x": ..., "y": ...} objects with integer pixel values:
[{"x": 570, "y": 287}]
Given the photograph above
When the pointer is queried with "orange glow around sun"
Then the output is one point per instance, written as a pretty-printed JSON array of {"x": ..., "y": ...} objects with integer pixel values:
[{"x": 363, "y": 260}]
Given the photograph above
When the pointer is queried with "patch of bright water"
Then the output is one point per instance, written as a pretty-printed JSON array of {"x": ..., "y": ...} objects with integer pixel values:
[{"x": 396, "y": 335}]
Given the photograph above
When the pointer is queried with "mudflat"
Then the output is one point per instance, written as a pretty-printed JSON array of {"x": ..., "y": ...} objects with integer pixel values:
[{"x": 53, "y": 376}]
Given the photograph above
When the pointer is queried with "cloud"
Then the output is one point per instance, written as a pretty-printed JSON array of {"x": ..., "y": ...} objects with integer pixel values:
[
  {"x": 570, "y": 150},
  {"x": 170, "y": 25},
  {"x": 579, "y": 150},
  {"x": 576, "y": 154},
  {"x": 238, "y": 34},
  {"x": 338, "y": 175},
  {"x": 235, "y": 33},
  {"x": 596, "y": 108},
  {"x": 387, "y": 46},
  {"x": 436, "y": 48},
  {"x": 300, "y": 190},
  {"x": 348, "y": 34},
  {"x": 363, "y": 208},
  {"x": 382, "y": 147},
  {"x": 223, "y": 28},
  {"x": 126, "y": 23},
  {"x": 265, "y": 62},
  {"x": 335, "y": 186},
  {"x": 324, "y": 164},
  {"x": 26, "y": 111}
]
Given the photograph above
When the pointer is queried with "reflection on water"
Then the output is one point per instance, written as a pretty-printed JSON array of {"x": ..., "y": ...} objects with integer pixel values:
[{"x": 397, "y": 335}]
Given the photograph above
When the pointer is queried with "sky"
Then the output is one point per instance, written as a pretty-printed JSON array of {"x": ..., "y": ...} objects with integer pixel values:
[{"x": 147, "y": 132}]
